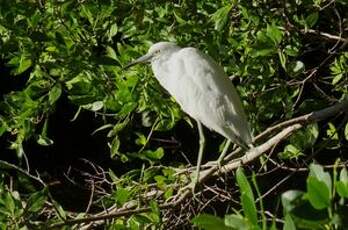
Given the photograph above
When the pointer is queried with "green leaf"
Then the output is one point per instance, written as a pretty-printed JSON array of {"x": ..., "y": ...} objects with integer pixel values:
[
  {"x": 3, "y": 128},
  {"x": 209, "y": 222},
  {"x": 95, "y": 106},
  {"x": 317, "y": 171},
  {"x": 289, "y": 223},
  {"x": 21, "y": 63},
  {"x": 317, "y": 193},
  {"x": 115, "y": 145},
  {"x": 118, "y": 127},
  {"x": 331, "y": 132},
  {"x": 275, "y": 34},
  {"x": 9, "y": 202},
  {"x": 36, "y": 201},
  {"x": 220, "y": 17},
  {"x": 154, "y": 155},
  {"x": 290, "y": 152},
  {"x": 342, "y": 184},
  {"x": 312, "y": 19},
  {"x": 138, "y": 220},
  {"x": 302, "y": 212},
  {"x": 168, "y": 193},
  {"x": 291, "y": 50},
  {"x": 179, "y": 19},
  {"x": 263, "y": 52},
  {"x": 337, "y": 78},
  {"x": 54, "y": 93},
  {"x": 300, "y": 140},
  {"x": 247, "y": 197},
  {"x": 113, "y": 31},
  {"x": 319, "y": 187},
  {"x": 156, "y": 213},
  {"x": 282, "y": 58},
  {"x": 110, "y": 52},
  {"x": 236, "y": 222},
  {"x": 44, "y": 141},
  {"x": 59, "y": 209},
  {"x": 312, "y": 133},
  {"x": 141, "y": 140},
  {"x": 295, "y": 68},
  {"x": 243, "y": 183},
  {"x": 85, "y": 12},
  {"x": 122, "y": 195},
  {"x": 103, "y": 127},
  {"x": 113, "y": 176},
  {"x": 127, "y": 108},
  {"x": 346, "y": 132},
  {"x": 289, "y": 199}
]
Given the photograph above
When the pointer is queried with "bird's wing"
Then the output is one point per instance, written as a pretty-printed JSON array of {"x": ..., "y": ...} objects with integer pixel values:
[{"x": 209, "y": 95}]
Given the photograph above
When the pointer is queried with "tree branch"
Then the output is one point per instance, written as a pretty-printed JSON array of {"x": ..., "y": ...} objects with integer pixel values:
[
  {"x": 307, "y": 118},
  {"x": 6, "y": 165},
  {"x": 324, "y": 35},
  {"x": 289, "y": 127}
]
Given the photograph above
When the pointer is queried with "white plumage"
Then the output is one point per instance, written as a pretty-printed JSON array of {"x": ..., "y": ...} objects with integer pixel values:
[{"x": 201, "y": 88}]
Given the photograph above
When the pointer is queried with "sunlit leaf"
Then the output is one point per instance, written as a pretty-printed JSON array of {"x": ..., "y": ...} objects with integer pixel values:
[
  {"x": 312, "y": 19},
  {"x": 247, "y": 197},
  {"x": 54, "y": 93},
  {"x": 44, "y": 141},
  {"x": 290, "y": 152},
  {"x": 36, "y": 201},
  {"x": 220, "y": 17},
  {"x": 289, "y": 223},
  {"x": 274, "y": 33},
  {"x": 209, "y": 222},
  {"x": 319, "y": 187},
  {"x": 236, "y": 222},
  {"x": 342, "y": 184},
  {"x": 95, "y": 106},
  {"x": 331, "y": 132},
  {"x": 122, "y": 195}
]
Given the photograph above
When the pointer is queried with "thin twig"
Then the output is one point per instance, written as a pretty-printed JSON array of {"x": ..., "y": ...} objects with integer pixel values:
[
  {"x": 4, "y": 164},
  {"x": 325, "y": 35}
]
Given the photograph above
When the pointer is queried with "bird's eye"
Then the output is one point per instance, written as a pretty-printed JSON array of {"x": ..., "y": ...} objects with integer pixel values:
[{"x": 157, "y": 51}]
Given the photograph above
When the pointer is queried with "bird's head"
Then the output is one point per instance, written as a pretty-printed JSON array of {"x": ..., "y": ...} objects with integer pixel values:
[{"x": 155, "y": 51}]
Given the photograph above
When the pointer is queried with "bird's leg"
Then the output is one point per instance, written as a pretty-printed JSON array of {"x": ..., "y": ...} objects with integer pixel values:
[
  {"x": 223, "y": 154},
  {"x": 200, "y": 153}
]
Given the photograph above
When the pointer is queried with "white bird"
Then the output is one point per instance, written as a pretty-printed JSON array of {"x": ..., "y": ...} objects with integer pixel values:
[{"x": 203, "y": 90}]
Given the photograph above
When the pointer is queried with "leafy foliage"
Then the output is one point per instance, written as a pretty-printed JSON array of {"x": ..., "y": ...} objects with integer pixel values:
[
  {"x": 285, "y": 58},
  {"x": 17, "y": 212},
  {"x": 313, "y": 209}
]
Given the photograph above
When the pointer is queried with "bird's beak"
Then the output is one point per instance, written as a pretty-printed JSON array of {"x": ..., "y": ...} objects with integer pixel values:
[{"x": 142, "y": 59}]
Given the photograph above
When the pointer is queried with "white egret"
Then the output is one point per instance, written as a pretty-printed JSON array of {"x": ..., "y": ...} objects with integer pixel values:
[{"x": 203, "y": 91}]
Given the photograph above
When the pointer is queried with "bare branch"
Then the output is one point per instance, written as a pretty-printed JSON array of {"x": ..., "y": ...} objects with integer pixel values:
[
  {"x": 307, "y": 118},
  {"x": 325, "y": 35},
  {"x": 4, "y": 164}
]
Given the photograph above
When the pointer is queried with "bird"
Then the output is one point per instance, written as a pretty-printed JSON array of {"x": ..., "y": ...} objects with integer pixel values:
[{"x": 203, "y": 90}]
